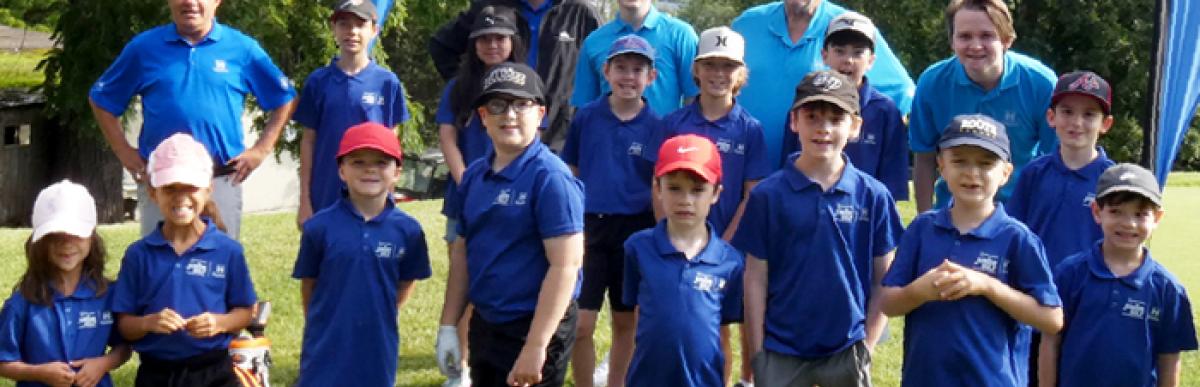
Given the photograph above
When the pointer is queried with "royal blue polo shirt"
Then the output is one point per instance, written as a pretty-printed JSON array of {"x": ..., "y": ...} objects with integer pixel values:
[
  {"x": 1056, "y": 203},
  {"x": 333, "y": 101},
  {"x": 505, "y": 216},
  {"x": 198, "y": 89},
  {"x": 739, "y": 139},
  {"x": 969, "y": 342},
  {"x": 1123, "y": 323},
  {"x": 1019, "y": 101},
  {"x": 74, "y": 327},
  {"x": 674, "y": 43},
  {"x": 668, "y": 288},
  {"x": 211, "y": 276},
  {"x": 472, "y": 141},
  {"x": 817, "y": 241},
  {"x": 350, "y": 332},
  {"x": 533, "y": 17},
  {"x": 611, "y": 156},
  {"x": 777, "y": 64}
]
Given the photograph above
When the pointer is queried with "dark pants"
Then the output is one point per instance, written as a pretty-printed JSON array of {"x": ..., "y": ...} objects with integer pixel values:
[
  {"x": 494, "y": 349},
  {"x": 849, "y": 368},
  {"x": 209, "y": 369},
  {"x": 604, "y": 258}
]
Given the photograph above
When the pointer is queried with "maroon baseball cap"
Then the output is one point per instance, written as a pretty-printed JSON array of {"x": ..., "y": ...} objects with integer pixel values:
[
  {"x": 1085, "y": 83},
  {"x": 370, "y": 135}
]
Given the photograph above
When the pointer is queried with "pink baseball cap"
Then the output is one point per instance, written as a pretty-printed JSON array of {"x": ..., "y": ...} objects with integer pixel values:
[
  {"x": 180, "y": 159},
  {"x": 691, "y": 153},
  {"x": 64, "y": 207},
  {"x": 370, "y": 135}
]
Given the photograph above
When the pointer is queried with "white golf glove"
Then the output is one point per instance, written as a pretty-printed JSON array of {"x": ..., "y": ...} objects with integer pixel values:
[{"x": 449, "y": 357}]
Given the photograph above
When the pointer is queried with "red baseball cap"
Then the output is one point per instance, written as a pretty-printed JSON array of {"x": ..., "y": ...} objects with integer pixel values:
[
  {"x": 370, "y": 135},
  {"x": 691, "y": 153}
]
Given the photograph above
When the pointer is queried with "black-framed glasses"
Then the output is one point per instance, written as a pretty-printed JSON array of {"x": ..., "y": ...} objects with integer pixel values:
[{"x": 501, "y": 105}]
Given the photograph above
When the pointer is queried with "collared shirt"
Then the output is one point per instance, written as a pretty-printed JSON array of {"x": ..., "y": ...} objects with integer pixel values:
[
  {"x": 739, "y": 138},
  {"x": 674, "y": 43},
  {"x": 211, "y": 276},
  {"x": 505, "y": 216},
  {"x": 472, "y": 141},
  {"x": 817, "y": 241},
  {"x": 1019, "y": 101},
  {"x": 1122, "y": 323},
  {"x": 612, "y": 157},
  {"x": 174, "y": 77},
  {"x": 1056, "y": 203},
  {"x": 777, "y": 64},
  {"x": 332, "y": 102},
  {"x": 681, "y": 304},
  {"x": 971, "y": 341},
  {"x": 74, "y": 327},
  {"x": 533, "y": 16},
  {"x": 358, "y": 266}
]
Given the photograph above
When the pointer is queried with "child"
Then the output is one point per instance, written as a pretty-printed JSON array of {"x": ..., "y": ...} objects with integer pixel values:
[
  {"x": 58, "y": 321},
  {"x": 818, "y": 226},
  {"x": 1133, "y": 336},
  {"x": 521, "y": 243},
  {"x": 969, "y": 277},
  {"x": 605, "y": 148},
  {"x": 357, "y": 262},
  {"x": 184, "y": 289},
  {"x": 350, "y": 90},
  {"x": 681, "y": 270}
]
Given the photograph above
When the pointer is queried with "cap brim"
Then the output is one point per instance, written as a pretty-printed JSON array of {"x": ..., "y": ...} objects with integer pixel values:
[
  {"x": 629, "y": 52},
  {"x": 825, "y": 98},
  {"x": 376, "y": 147},
  {"x": 690, "y": 166},
  {"x": 990, "y": 147},
  {"x": 718, "y": 54},
  {"x": 1103, "y": 104},
  {"x": 482, "y": 99},
  {"x": 492, "y": 30},
  {"x": 358, "y": 14},
  {"x": 852, "y": 31},
  {"x": 1152, "y": 196},
  {"x": 63, "y": 224},
  {"x": 192, "y": 178}
]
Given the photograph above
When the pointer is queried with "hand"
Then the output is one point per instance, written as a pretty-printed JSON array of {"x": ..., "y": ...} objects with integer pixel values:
[
  {"x": 133, "y": 163},
  {"x": 164, "y": 322},
  {"x": 90, "y": 371},
  {"x": 247, "y": 162},
  {"x": 303, "y": 213},
  {"x": 961, "y": 282},
  {"x": 203, "y": 325},
  {"x": 56, "y": 374},
  {"x": 926, "y": 285},
  {"x": 449, "y": 357},
  {"x": 527, "y": 370}
]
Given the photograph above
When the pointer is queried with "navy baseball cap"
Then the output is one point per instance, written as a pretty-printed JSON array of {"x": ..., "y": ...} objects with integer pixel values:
[
  {"x": 1085, "y": 83},
  {"x": 978, "y": 130},
  {"x": 514, "y": 79},
  {"x": 363, "y": 9},
  {"x": 491, "y": 20},
  {"x": 1127, "y": 177},
  {"x": 631, "y": 44}
]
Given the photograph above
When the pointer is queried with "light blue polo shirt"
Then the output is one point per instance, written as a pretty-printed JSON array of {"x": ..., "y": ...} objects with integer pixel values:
[
  {"x": 1056, "y": 203},
  {"x": 971, "y": 341},
  {"x": 197, "y": 89},
  {"x": 74, "y": 327},
  {"x": 777, "y": 64},
  {"x": 817, "y": 241},
  {"x": 674, "y": 43},
  {"x": 1122, "y": 323},
  {"x": 1019, "y": 101},
  {"x": 350, "y": 332},
  {"x": 682, "y": 304},
  {"x": 611, "y": 156}
]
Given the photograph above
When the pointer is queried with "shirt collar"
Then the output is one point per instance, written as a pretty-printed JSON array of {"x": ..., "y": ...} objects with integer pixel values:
[
  {"x": 696, "y": 114},
  {"x": 653, "y": 16},
  {"x": 205, "y": 242},
  {"x": 86, "y": 289},
  {"x": 989, "y": 229},
  {"x": 348, "y": 207},
  {"x": 1134, "y": 280},
  {"x": 513, "y": 169},
  {"x": 642, "y": 114},
  {"x": 710, "y": 254},
  {"x": 1008, "y": 79},
  {"x": 545, "y": 6},
  {"x": 847, "y": 183},
  {"x": 1093, "y": 168},
  {"x": 215, "y": 34},
  {"x": 777, "y": 24}
]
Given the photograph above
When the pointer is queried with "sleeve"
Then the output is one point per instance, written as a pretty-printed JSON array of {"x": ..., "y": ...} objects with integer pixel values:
[
  {"x": 399, "y": 111},
  {"x": 119, "y": 82},
  {"x": 455, "y": 200},
  {"x": 126, "y": 289},
  {"x": 1029, "y": 272},
  {"x": 1017, "y": 205},
  {"x": 687, "y": 45},
  {"x": 415, "y": 265},
  {"x": 311, "y": 254},
  {"x": 570, "y": 151},
  {"x": 922, "y": 132},
  {"x": 240, "y": 292},
  {"x": 632, "y": 279},
  {"x": 12, "y": 327},
  {"x": 889, "y": 76},
  {"x": 308, "y": 111},
  {"x": 904, "y": 266},
  {"x": 559, "y": 206},
  {"x": 757, "y": 165},
  {"x": 267, "y": 82},
  {"x": 888, "y": 228},
  {"x": 1066, "y": 283},
  {"x": 753, "y": 234},
  {"x": 732, "y": 301},
  {"x": 447, "y": 45},
  {"x": 1178, "y": 331},
  {"x": 895, "y": 155},
  {"x": 445, "y": 112},
  {"x": 587, "y": 77},
  {"x": 654, "y": 140}
]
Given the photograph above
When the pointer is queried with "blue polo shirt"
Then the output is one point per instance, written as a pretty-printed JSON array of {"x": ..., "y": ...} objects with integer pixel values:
[
  {"x": 674, "y": 43},
  {"x": 1055, "y": 202},
  {"x": 669, "y": 288},
  {"x": 332, "y": 102},
  {"x": 74, "y": 327},
  {"x": 211, "y": 276},
  {"x": 817, "y": 242},
  {"x": 1019, "y": 101},
  {"x": 969, "y": 342},
  {"x": 777, "y": 64},
  {"x": 1123, "y": 323},
  {"x": 505, "y": 216},
  {"x": 533, "y": 17},
  {"x": 611, "y": 156},
  {"x": 739, "y": 139},
  {"x": 350, "y": 332},
  {"x": 174, "y": 78},
  {"x": 472, "y": 141}
]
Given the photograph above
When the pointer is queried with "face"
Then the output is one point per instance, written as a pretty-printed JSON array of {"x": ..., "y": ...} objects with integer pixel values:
[
  {"x": 512, "y": 123},
  {"x": 353, "y": 35},
  {"x": 193, "y": 17},
  {"x": 628, "y": 75},
  {"x": 368, "y": 173},
  {"x": 633, "y": 4},
  {"x": 180, "y": 204},
  {"x": 67, "y": 251},
  {"x": 493, "y": 49},
  {"x": 973, "y": 174},
  {"x": 718, "y": 76},
  {"x": 1127, "y": 225},
  {"x": 851, "y": 61},
  {"x": 824, "y": 129},
  {"x": 978, "y": 45},
  {"x": 801, "y": 7},
  {"x": 1079, "y": 121},
  {"x": 686, "y": 197}
]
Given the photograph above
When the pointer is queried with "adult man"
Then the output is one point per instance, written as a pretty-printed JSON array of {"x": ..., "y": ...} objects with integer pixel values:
[{"x": 193, "y": 76}]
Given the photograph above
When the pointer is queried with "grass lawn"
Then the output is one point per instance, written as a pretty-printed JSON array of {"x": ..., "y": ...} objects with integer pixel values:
[
  {"x": 17, "y": 70},
  {"x": 272, "y": 241}
]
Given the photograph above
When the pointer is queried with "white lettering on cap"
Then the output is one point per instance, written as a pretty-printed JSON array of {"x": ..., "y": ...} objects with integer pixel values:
[
  {"x": 348, "y": 3},
  {"x": 978, "y": 126},
  {"x": 504, "y": 74},
  {"x": 826, "y": 82},
  {"x": 1127, "y": 176}
]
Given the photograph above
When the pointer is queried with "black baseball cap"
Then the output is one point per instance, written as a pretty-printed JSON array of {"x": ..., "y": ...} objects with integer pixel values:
[
  {"x": 1085, "y": 83},
  {"x": 827, "y": 86},
  {"x": 491, "y": 20},
  {"x": 1127, "y": 177},
  {"x": 514, "y": 79},
  {"x": 978, "y": 130},
  {"x": 363, "y": 9}
]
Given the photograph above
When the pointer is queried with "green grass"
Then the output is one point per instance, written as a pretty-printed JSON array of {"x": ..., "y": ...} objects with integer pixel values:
[{"x": 18, "y": 70}]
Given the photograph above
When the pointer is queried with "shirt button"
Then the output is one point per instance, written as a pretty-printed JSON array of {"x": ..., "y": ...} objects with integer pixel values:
[
  {"x": 176, "y": 265},
  {"x": 956, "y": 243}
]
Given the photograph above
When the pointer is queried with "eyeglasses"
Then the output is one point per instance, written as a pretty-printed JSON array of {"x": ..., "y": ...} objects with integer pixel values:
[{"x": 501, "y": 106}]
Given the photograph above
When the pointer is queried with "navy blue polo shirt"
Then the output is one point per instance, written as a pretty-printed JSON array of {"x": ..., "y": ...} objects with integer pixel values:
[
  {"x": 174, "y": 77},
  {"x": 969, "y": 342},
  {"x": 669, "y": 288},
  {"x": 358, "y": 265},
  {"x": 1055, "y": 202},
  {"x": 533, "y": 18},
  {"x": 74, "y": 327},
  {"x": 612, "y": 157},
  {"x": 739, "y": 138},
  {"x": 473, "y": 141},
  {"x": 332, "y": 102},
  {"x": 211, "y": 276},
  {"x": 817, "y": 242},
  {"x": 1123, "y": 323},
  {"x": 505, "y": 216}
]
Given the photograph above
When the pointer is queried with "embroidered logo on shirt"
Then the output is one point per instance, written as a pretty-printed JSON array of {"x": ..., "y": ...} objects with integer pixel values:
[
  {"x": 197, "y": 267},
  {"x": 1010, "y": 118},
  {"x": 706, "y": 282},
  {"x": 106, "y": 318},
  {"x": 87, "y": 320},
  {"x": 1155, "y": 314},
  {"x": 284, "y": 82},
  {"x": 848, "y": 214},
  {"x": 218, "y": 271},
  {"x": 1134, "y": 309},
  {"x": 1089, "y": 199},
  {"x": 219, "y": 66},
  {"x": 635, "y": 149},
  {"x": 987, "y": 263},
  {"x": 371, "y": 98},
  {"x": 521, "y": 199},
  {"x": 504, "y": 197},
  {"x": 740, "y": 149},
  {"x": 383, "y": 250},
  {"x": 723, "y": 145},
  {"x": 868, "y": 139}
]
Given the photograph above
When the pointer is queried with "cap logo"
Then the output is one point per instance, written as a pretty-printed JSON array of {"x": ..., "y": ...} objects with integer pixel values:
[
  {"x": 349, "y": 3},
  {"x": 489, "y": 20},
  {"x": 684, "y": 150},
  {"x": 1127, "y": 176},
  {"x": 722, "y": 41},
  {"x": 826, "y": 82},
  {"x": 1087, "y": 82},
  {"x": 978, "y": 126},
  {"x": 504, "y": 74}
]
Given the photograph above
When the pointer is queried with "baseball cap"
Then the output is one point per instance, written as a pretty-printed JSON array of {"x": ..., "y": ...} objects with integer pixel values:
[
  {"x": 1127, "y": 177},
  {"x": 370, "y": 135},
  {"x": 180, "y": 159},
  {"x": 631, "y": 44},
  {"x": 515, "y": 79},
  {"x": 363, "y": 9},
  {"x": 1085, "y": 83},
  {"x": 852, "y": 22},
  {"x": 978, "y": 130},
  {"x": 64, "y": 207},
  {"x": 691, "y": 153},
  {"x": 721, "y": 42},
  {"x": 828, "y": 86},
  {"x": 493, "y": 21}
]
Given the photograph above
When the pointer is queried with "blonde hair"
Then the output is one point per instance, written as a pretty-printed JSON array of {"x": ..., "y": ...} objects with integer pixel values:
[
  {"x": 996, "y": 11},
  {"x": 739, "y": 80}
]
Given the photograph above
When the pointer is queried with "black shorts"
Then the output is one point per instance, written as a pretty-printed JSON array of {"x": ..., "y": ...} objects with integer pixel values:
[
  {"x": 210, "y": 369},
  {"x": 494, "y": 348},
  {"x": 604, "y": 257}
]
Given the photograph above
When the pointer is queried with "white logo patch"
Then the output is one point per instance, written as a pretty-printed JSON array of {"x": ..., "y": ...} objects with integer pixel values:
[
  {"x": 106, "y": 318},
  {"x": 826, "y": 82},
  {"x": 563, "y": 36},
  {"x": 689, "y": 149},
  {"x": 987, "y": 263},
  {"x": 218, "y": 271},
  {"x": 740, "y": 149},
  {"x": 504, "y": 197},
  {"x": 197, "y": 267},
  {"x": 504, "y": 74},
  {"x": 724, "y": 145},
  {"x": 371, "y": 98},
  {"x": 383, "y": 250},
  {"x": 284, "y": 82},
  {"x": 522, "y": 198},
  {"x": 1134, "y": 309},
  {"x": 87, "y": 320},
  {"x": 1089, "y": 199},
  {"x": 706, "y": 283},
  {"x": 635, "y": 149},
  {"x": 981, "y": 127},
  {"x": 1155, "y": 314},
  {"x": 219, "y": 66}
]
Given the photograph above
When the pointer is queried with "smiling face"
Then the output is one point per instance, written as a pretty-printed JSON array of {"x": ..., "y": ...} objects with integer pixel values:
[
  {"x": 972, "y": 174},
  {"x": 67, "y": 252},
  {"x": 493, "y": 49},
  {"x": 180, "y": 204},
  {"x": 353, "y": 35},
  {"x": 1128, "y": 222},
  {"x": 719, "y": 77},
  {"x": 368, "y": 173},
  {"x": 193, "y": 18},
  {"x": 851, "y": 60},
  {"x": 1079, "y": 121},
  {"x": 628, "y": 75},
  {"x": 824, "y": 129},
  {"x": 686, "y": 197},
  {"x": 512, "y": 123},
  {"x": 978, "y": 45}
]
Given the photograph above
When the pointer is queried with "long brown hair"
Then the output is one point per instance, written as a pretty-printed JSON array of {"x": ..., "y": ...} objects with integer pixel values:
[{"x": 40, "y": 273}]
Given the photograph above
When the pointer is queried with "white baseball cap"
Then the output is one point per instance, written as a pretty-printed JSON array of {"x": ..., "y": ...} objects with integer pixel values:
[
  {"x": 852, "y": 22},
  {"x": 180, "y": 159},
  {"x": 721, "y": 42},
  {"x": 64, "y": 207}
]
